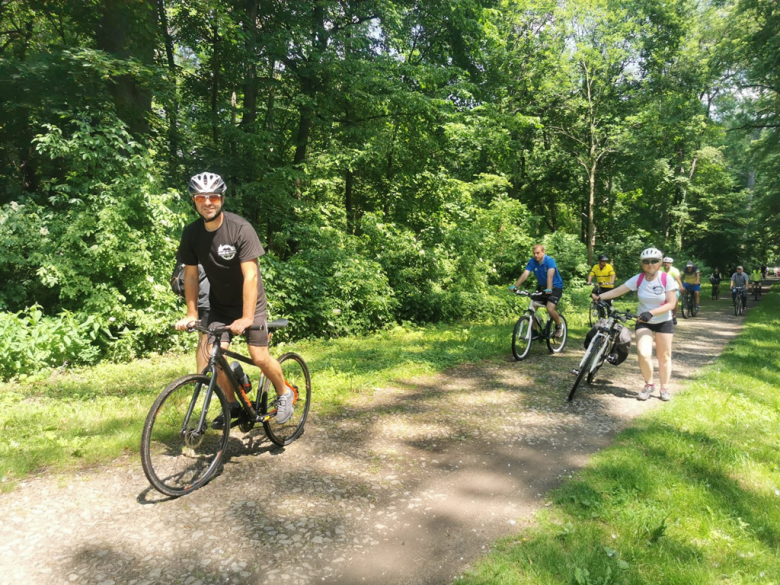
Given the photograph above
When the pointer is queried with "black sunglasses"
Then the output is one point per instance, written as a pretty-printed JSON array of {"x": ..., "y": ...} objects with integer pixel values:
[{"x": 653, "y": 261}]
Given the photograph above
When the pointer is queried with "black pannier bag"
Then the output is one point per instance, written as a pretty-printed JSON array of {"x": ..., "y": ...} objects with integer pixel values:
[{"x": 622, "y": 344}]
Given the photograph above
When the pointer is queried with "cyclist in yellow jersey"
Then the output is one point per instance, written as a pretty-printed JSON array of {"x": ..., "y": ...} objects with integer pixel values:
[
  {"x": 671, "y": 270},
  {"x": 692, "y": 280},
  {"x": 604, "y": 274}
]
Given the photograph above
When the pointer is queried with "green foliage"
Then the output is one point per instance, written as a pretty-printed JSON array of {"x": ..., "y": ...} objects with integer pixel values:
[{"x": 30, "y": 341}]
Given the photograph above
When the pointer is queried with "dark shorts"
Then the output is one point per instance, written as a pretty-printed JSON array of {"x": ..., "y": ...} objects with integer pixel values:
[
  {"x": 203, "y": 315},
  {"x": 665, "y": 327},
  {"x": 257, "y": 338},
  {"x": 554, "y": 297}
]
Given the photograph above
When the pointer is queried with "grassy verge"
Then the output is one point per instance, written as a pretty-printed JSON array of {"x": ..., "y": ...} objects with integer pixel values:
[
  {"x": 93, "y": 415},
  {"x": 689, "y": 494}
]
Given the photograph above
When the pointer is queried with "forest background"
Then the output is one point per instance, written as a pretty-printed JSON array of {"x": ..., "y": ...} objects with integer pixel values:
[{"x": 397, "y": 158}]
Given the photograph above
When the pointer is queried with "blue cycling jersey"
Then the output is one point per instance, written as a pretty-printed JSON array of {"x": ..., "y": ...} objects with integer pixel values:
[{"x": 540, "y": 271}]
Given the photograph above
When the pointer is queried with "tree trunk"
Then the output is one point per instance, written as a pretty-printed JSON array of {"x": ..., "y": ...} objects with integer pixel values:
[
  {"x": 591, "y": 205},
  {"x": 126, "y": 30},
  {"x": 215, "y": 85},
  {"x": 172, "y": 111},
  {"x": 250, "y": 81}
]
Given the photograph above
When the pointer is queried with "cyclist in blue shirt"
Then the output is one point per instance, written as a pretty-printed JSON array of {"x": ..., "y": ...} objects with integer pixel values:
[{"x": 550, "y": 282}]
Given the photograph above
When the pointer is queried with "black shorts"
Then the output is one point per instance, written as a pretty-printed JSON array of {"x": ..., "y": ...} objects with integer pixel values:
[
  {"x": 203, "y": 315},
  {"x": 665, "y": 327},
  {"x": 554, "y": 297},
  {"x": 255, "y": 337}
]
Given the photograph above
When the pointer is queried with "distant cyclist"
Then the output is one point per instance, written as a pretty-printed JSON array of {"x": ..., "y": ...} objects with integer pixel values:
[
  {"x": 691, "y": 277},
  {"x": 715, "y": 279},
  {"x": 550, "y": 282},
  {"x": 674, "y": 273},
  {"x": 655, "y": 291},
  {"x": 604, "y": 274},
  {"x": 739, "y": 280},
  {"x": 764, "y": 271},
  {"x": 756, "y": 279}
]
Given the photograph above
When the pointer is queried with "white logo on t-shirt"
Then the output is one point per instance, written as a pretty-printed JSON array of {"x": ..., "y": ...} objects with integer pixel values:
[{"x": 226, "y": 251}]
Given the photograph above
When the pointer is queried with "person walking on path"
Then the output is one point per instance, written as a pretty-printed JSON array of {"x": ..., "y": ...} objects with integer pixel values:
[
  {"x": 550, "y": 282},
  {"x": 228, "y": 248},
  {"x": 656, "y": 293}
]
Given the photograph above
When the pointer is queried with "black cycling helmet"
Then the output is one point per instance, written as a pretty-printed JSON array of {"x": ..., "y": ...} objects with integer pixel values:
[
  {"x": 603, "y": 258},
  {"x": 205, "y": 183}
]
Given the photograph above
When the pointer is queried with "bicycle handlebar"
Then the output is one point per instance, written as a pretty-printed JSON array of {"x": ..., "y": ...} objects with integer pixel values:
[{"x": 219, "y": 330}]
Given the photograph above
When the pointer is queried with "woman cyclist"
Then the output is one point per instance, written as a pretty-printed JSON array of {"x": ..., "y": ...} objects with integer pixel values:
[{"x": 656, "y": 291}]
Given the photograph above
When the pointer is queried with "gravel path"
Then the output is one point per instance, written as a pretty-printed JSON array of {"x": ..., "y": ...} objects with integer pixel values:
[{"x": 409, "y": 486}]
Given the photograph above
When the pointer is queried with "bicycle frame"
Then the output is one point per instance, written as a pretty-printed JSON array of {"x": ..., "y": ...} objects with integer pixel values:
[
  {"x": 216, "y": 362},
  {"x": 533, "y": 307},
  {"x": 608, "y": 331}
]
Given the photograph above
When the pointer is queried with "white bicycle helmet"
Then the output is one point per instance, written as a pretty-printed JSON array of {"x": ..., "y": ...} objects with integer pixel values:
[
  {"x": 669, "y": 260},
  {"x": 650, "y": 253},
  {"x": 205, "y": 183}
]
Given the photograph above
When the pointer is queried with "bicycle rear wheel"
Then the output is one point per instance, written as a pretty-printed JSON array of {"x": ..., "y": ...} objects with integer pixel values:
[
  {"x": 176, "y": 456},
  {"x": 521, "y": 338},
  {"x": 297, "y": 379},
  {"x": 556, "y": 344},
  {"x": 584, "y": 368}
]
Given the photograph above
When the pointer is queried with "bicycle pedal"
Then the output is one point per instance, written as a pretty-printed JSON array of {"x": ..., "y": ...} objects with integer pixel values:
[{"x": 576, "y": 372}]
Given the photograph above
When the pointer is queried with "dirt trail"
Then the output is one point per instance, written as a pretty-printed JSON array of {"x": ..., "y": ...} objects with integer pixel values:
[{"x": 409, "y": 486}]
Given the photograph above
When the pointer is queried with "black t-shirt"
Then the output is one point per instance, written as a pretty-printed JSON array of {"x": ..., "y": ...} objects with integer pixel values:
[{"x": 221, "y": 253}]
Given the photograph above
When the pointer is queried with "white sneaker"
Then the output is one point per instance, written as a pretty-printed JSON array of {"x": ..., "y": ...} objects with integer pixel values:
[
  {"x": 284, "y": 407},
  {"x": 646, "y": 392},
  {"x": 665, "y": 396}
]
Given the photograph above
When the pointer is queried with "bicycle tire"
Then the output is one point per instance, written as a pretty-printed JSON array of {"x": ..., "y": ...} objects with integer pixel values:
[
  {"x": 598, "y": 354},
  {"x": 297, "y": 378},
  {"x": 557, "y": 344},
  {"x": 581, "y": 374},
  {"x": 694, "y": 311},
  {"x": 737, "y": 305},
  {"x": 177, "y": 463},
  {"x": 521, "y": 338},
  {"x": 684, "y": 306},
  {"x": 594, "y": 313},
  {"x": 756, "y": 293}
]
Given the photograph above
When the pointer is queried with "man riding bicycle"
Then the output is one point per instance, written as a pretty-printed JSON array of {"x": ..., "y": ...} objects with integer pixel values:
[
  {"x": 755, "y": 279},
  {"x": 739, "y": 280},
  {"x": 604, "y": 274},
  {"x": 228, "y": 248},
  {"x": 715, "y": 279},
  {"x": 550, "y": 282},
  {"x": 691, "y": 277}
]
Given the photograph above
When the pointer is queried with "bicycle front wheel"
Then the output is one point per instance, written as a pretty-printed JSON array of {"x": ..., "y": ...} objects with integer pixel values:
[
  {"x": 179, "y": 455},
  {"x": 684, "y": 306},
  {"x": 556, "y": 344},
  {"x": 584, "y": 369},
  {"x": 599, "y": 348},
  {"x": 521, "y": 338},
  {"x": 297, "y": 379}
]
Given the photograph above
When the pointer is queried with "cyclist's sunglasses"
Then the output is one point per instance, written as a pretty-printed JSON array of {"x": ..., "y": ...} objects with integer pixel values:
[
  {"x": 651, "y": 261},
  {"x": 211, "y": 198}
]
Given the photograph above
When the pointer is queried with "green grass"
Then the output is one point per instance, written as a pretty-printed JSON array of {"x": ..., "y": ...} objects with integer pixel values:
[
  {"x": 93, "y": 415},
  {"x": 690, "y": 493}
]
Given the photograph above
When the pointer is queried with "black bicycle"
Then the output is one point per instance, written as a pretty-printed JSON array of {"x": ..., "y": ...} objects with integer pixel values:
[
  {"x": 688, "y": 305},
  {"x": 739, "y": 301},
  {"x": 715, "y": 291},
  {"x": 187, "y": 431},
  {"x": 756, "y": 290},
  {"x": 534, "y": 326},
  {"x": 601, "y": 347}
]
